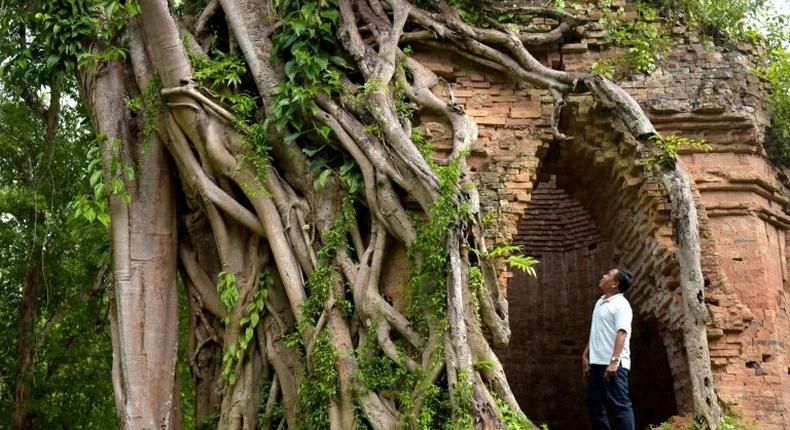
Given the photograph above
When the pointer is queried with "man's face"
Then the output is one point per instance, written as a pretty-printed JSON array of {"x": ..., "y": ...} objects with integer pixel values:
[{"x": 608, "y": 283}]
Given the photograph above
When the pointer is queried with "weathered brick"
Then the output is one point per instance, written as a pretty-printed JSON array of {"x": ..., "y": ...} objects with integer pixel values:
[{"x": 531, "y": 110}]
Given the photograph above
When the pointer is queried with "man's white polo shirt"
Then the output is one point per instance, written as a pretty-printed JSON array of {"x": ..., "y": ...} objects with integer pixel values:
[{"x": 609, "y": 316}]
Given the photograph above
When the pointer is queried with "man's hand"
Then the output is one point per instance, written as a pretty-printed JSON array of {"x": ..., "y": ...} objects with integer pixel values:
[
  {"x": 611, "y": 370},
  {"x": 585, "y": 365}
]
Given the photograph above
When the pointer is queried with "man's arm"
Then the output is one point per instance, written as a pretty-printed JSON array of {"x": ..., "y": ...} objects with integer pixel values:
[
  {"x": 586, "y": 360},
  {"x": 619, "y": 343}
]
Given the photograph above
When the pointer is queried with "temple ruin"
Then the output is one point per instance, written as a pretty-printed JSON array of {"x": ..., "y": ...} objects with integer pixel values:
[{"x": 584, "y": 205}]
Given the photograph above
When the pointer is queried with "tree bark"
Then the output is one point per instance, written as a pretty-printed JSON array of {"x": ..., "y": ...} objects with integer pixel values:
[
  {"x": 685, "y": 225},
  {"x": 26, "y": 338},
  {"x": 144, "y": 241}
]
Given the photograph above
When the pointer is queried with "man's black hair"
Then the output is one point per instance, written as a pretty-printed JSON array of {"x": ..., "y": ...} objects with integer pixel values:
[{"x": 624, "y": 278}]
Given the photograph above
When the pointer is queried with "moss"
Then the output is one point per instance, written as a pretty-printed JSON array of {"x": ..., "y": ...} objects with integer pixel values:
[{"x": 318, "y": 389}]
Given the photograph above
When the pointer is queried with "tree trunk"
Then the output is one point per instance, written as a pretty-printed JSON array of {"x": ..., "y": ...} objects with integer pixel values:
[
  {"x": 144, "y": 241},
  {"x": 685, "y": 225},
  {"x": 26, "y": 339}
]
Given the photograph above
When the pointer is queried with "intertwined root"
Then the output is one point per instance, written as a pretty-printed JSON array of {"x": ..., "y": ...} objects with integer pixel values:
[{"x": 300, "y": 313}]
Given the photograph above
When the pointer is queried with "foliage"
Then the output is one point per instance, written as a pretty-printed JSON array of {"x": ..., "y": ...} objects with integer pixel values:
[
  {"x": 258, "y": 142},
  {"x": 252, "y": 315},
  {"x": 644, "y": 40},
  {"x": 776, "y": 70},
  {"x": 316, "y": 392},
  {"x": 462, "y": 394},
  {"x": 669, "y": 147},
  {"x": 221, "y": 76},
  {"x": 378, "y": 372},
  {"x": 39, "y": 182},
  {"x": 93, "y": 208},
  {"x": 523, "y": 263},
  {"x": 228, "y": 291},
  {"x": 430, "y": 260},
  {"x": 186, "y": 384},
  {"x": 325, "y": 275},
  {"x": 306, "y": 41},
  {"x": 605, "y": 68},
  {"x": 515, "y": 261},
  {"x": 728, "y": 422},
  {"x": 514, "y": 420},
  {"x": 57, "y": 37},
  {"x": 150, "y": 105},
  {"x": 727, "y": 21},
  {"x": 120, "y": 174}
]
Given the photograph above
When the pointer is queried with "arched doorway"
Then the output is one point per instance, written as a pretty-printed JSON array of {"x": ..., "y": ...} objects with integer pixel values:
[{"x": 550, "y": 314}]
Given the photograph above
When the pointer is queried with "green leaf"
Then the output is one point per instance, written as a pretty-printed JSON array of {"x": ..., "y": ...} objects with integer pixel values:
[
  {"x": 484, "y": 364},
  {"x": 523, "y": 263},
  {"x": 322, "y": 178},
  {"x": 95, "y": 177},
  {"x": 291, "y": 137},
  {"x": 104, "y": 219},
  {"x": 311, "y": 151},
  {"x": 117, "y": 185},
  {"x": 98, "y": 191},
  {"x": 89, "y": 213},
  {"x": 129, "y": 172},
  {"x": 52, "y": 59},
  {"x": 501, "y": 250}
]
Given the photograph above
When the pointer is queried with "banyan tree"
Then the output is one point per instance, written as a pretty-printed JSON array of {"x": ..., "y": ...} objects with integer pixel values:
[{"x": 263, "y": 159}]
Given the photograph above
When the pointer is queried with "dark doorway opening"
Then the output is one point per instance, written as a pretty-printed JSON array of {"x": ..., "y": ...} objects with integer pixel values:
[{"x": 550, "y": 317}]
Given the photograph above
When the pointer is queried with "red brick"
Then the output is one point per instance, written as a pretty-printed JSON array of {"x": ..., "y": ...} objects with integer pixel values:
[{"x": 531, "y": 110}]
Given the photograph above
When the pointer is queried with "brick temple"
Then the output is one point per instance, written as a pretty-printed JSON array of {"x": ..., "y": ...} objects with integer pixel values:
[{"x": 585, "y": 205}]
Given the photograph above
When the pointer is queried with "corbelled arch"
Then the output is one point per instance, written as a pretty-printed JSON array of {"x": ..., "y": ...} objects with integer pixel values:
[{"x": 607, "y": 176}]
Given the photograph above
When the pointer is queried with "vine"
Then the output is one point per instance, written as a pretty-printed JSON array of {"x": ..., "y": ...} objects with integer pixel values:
[
  {"x": 776, "y": 70},
  {"x": 94, "y": 208},
  {"x": 150, "y": 106},
  {"x": 326, "y": 274},
  {"x": 428, "y": 254},
  {"x": 252, "y": 315},
  {"x": 317, "y": 391}
]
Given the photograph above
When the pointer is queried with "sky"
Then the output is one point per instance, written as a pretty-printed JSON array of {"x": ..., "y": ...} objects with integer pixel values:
[{"x": 782, "y": 6}]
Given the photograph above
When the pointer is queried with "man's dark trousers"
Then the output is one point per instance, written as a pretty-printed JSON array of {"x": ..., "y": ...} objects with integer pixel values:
[{"x": 613, "y": 391}]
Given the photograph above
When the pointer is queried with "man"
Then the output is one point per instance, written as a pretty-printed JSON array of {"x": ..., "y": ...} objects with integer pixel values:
[{"x": 607, "y": 358}]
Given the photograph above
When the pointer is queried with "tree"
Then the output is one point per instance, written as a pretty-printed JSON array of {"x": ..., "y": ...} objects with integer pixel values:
[
  {"x": 268, "y": 155},
  {"x": 52, "y": 263},
  {"x": 51, "y": 270}
]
